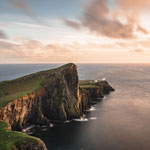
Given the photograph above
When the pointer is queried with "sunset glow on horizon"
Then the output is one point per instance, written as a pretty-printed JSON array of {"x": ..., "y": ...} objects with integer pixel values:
[{"x": 79, "y": 31}]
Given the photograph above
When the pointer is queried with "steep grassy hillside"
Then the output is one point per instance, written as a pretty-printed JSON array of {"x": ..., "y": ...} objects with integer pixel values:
[
  {"x": 10, "y": 90},
  {"x": 12, "y": 140}
]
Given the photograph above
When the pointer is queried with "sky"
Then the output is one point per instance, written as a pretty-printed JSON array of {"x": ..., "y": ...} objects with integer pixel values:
[{"x": 78, "y": 31}]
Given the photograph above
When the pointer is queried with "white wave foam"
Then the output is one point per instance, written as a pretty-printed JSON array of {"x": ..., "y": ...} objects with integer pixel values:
[
  {"x": 84, "y": 115},
  {"x": 67, "y": 121},
  {"x": 44, "y": 129},
  {"x": 91, "y": 109},
  {"x": 28, "y": 128},
  {"x": 93, "y": 118},
  {"x": 51, "y": 125},
  {"x": 81, "y": 119}
]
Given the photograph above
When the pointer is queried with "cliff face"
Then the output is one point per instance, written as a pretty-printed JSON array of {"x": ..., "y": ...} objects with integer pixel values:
[
  {"x": 85, "y": 101},
  {"x": 23, "y": 111},
  {"x": 56, "y": 100},
  {"x": 61, "y": 99},
  {"x": 91, "y": 92}
]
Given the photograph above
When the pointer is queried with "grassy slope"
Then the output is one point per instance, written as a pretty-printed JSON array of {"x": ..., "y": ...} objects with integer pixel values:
[
  {"x": 13, "y": 91},
  {"x": 87, "y": 84},
  {"x": 10, "y": 90},
  {"x": 10, "y": 139},
  {"x": 91, "y": 84}
]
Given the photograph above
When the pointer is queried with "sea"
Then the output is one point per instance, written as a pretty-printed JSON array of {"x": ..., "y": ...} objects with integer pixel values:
[{"x": 121, "y": 121}]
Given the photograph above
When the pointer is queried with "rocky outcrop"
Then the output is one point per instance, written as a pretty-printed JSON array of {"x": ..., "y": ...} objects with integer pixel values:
[
  {"x": 85, "y": 99},
  {"x": 56, "y": 100},
  {"x": 91, "y": 92},
  {"x": 59, "y": 98},
  {"x": 24, "y": 111},
  {"x": 36, "y": 145}
]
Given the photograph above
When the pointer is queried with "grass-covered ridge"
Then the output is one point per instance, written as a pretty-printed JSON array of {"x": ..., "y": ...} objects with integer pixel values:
[
  {"x": 13, "y": 89},
  {"x": 91, "y": 84},
  {"x": 9, "y": 140}
]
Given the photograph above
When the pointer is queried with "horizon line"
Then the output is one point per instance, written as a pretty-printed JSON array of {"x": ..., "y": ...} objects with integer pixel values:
[{"x": 77, "y": 63}]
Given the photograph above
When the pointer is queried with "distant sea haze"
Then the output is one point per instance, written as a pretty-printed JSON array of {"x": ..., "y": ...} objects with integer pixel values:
[{"x": 120, "y": 122}]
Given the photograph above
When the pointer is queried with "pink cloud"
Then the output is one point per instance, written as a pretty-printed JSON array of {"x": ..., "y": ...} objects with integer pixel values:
[
  {"x": 3, "y": 35},
  {"x": 99, "y": 19}
]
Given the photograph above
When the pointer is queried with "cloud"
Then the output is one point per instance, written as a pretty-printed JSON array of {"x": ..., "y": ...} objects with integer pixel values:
[
  {"x": 5, "y": 45},
  {"x": 135, "y": 45},
  {"x": 3, "y": 25},
  {"x": 26, "y": 8},
  {"x": 35, "y": 51},
  {"x": 29, "y": 25},
  {"x": 72, "y": 24},
  {"x": 3, "y": 35},
  {"x": 139, "y": 50},
  {"x": 101, "y": 20},
  {"x": 133, "y": 5},
  {"x": 141, "y": 29},
  {"x": 96, "y": 18}
]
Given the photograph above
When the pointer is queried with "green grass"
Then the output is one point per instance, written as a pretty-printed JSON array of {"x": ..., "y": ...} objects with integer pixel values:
[
  {"x": 10, "y": 139},
  {"x": 13, "y": 89},
  {"x": 91, "y": 84},
  {"x": 1, "y": 93},
  {"x": 10, "y": 91},
  {"x": 87, "y": 84}
]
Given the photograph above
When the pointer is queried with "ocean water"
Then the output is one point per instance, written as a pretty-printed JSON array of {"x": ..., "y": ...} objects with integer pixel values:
[{"x": 121, "y": 121}]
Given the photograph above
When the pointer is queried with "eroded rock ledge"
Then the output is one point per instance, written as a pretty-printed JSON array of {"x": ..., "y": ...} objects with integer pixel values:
[
  {"x": 58, "y": 96},
  {"x": 91, "y": 92}
]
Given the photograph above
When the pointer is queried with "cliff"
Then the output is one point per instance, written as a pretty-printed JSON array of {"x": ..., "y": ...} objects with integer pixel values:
[
  {"x": 55, "y": 94},
  {"x": 12, "y": 140},
  {"x": 50, "y": 95},
  {"x": 92, "y": 92}
]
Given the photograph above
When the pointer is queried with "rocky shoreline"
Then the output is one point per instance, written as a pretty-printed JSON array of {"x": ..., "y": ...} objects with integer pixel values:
[{"x": 61, "y": 96}]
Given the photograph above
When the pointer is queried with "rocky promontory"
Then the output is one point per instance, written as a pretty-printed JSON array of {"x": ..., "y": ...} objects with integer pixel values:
[
  {"x": 91, "y": 92},
  {"x": 55, "y": 99},
  {"x": 55, "y": 94}
]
